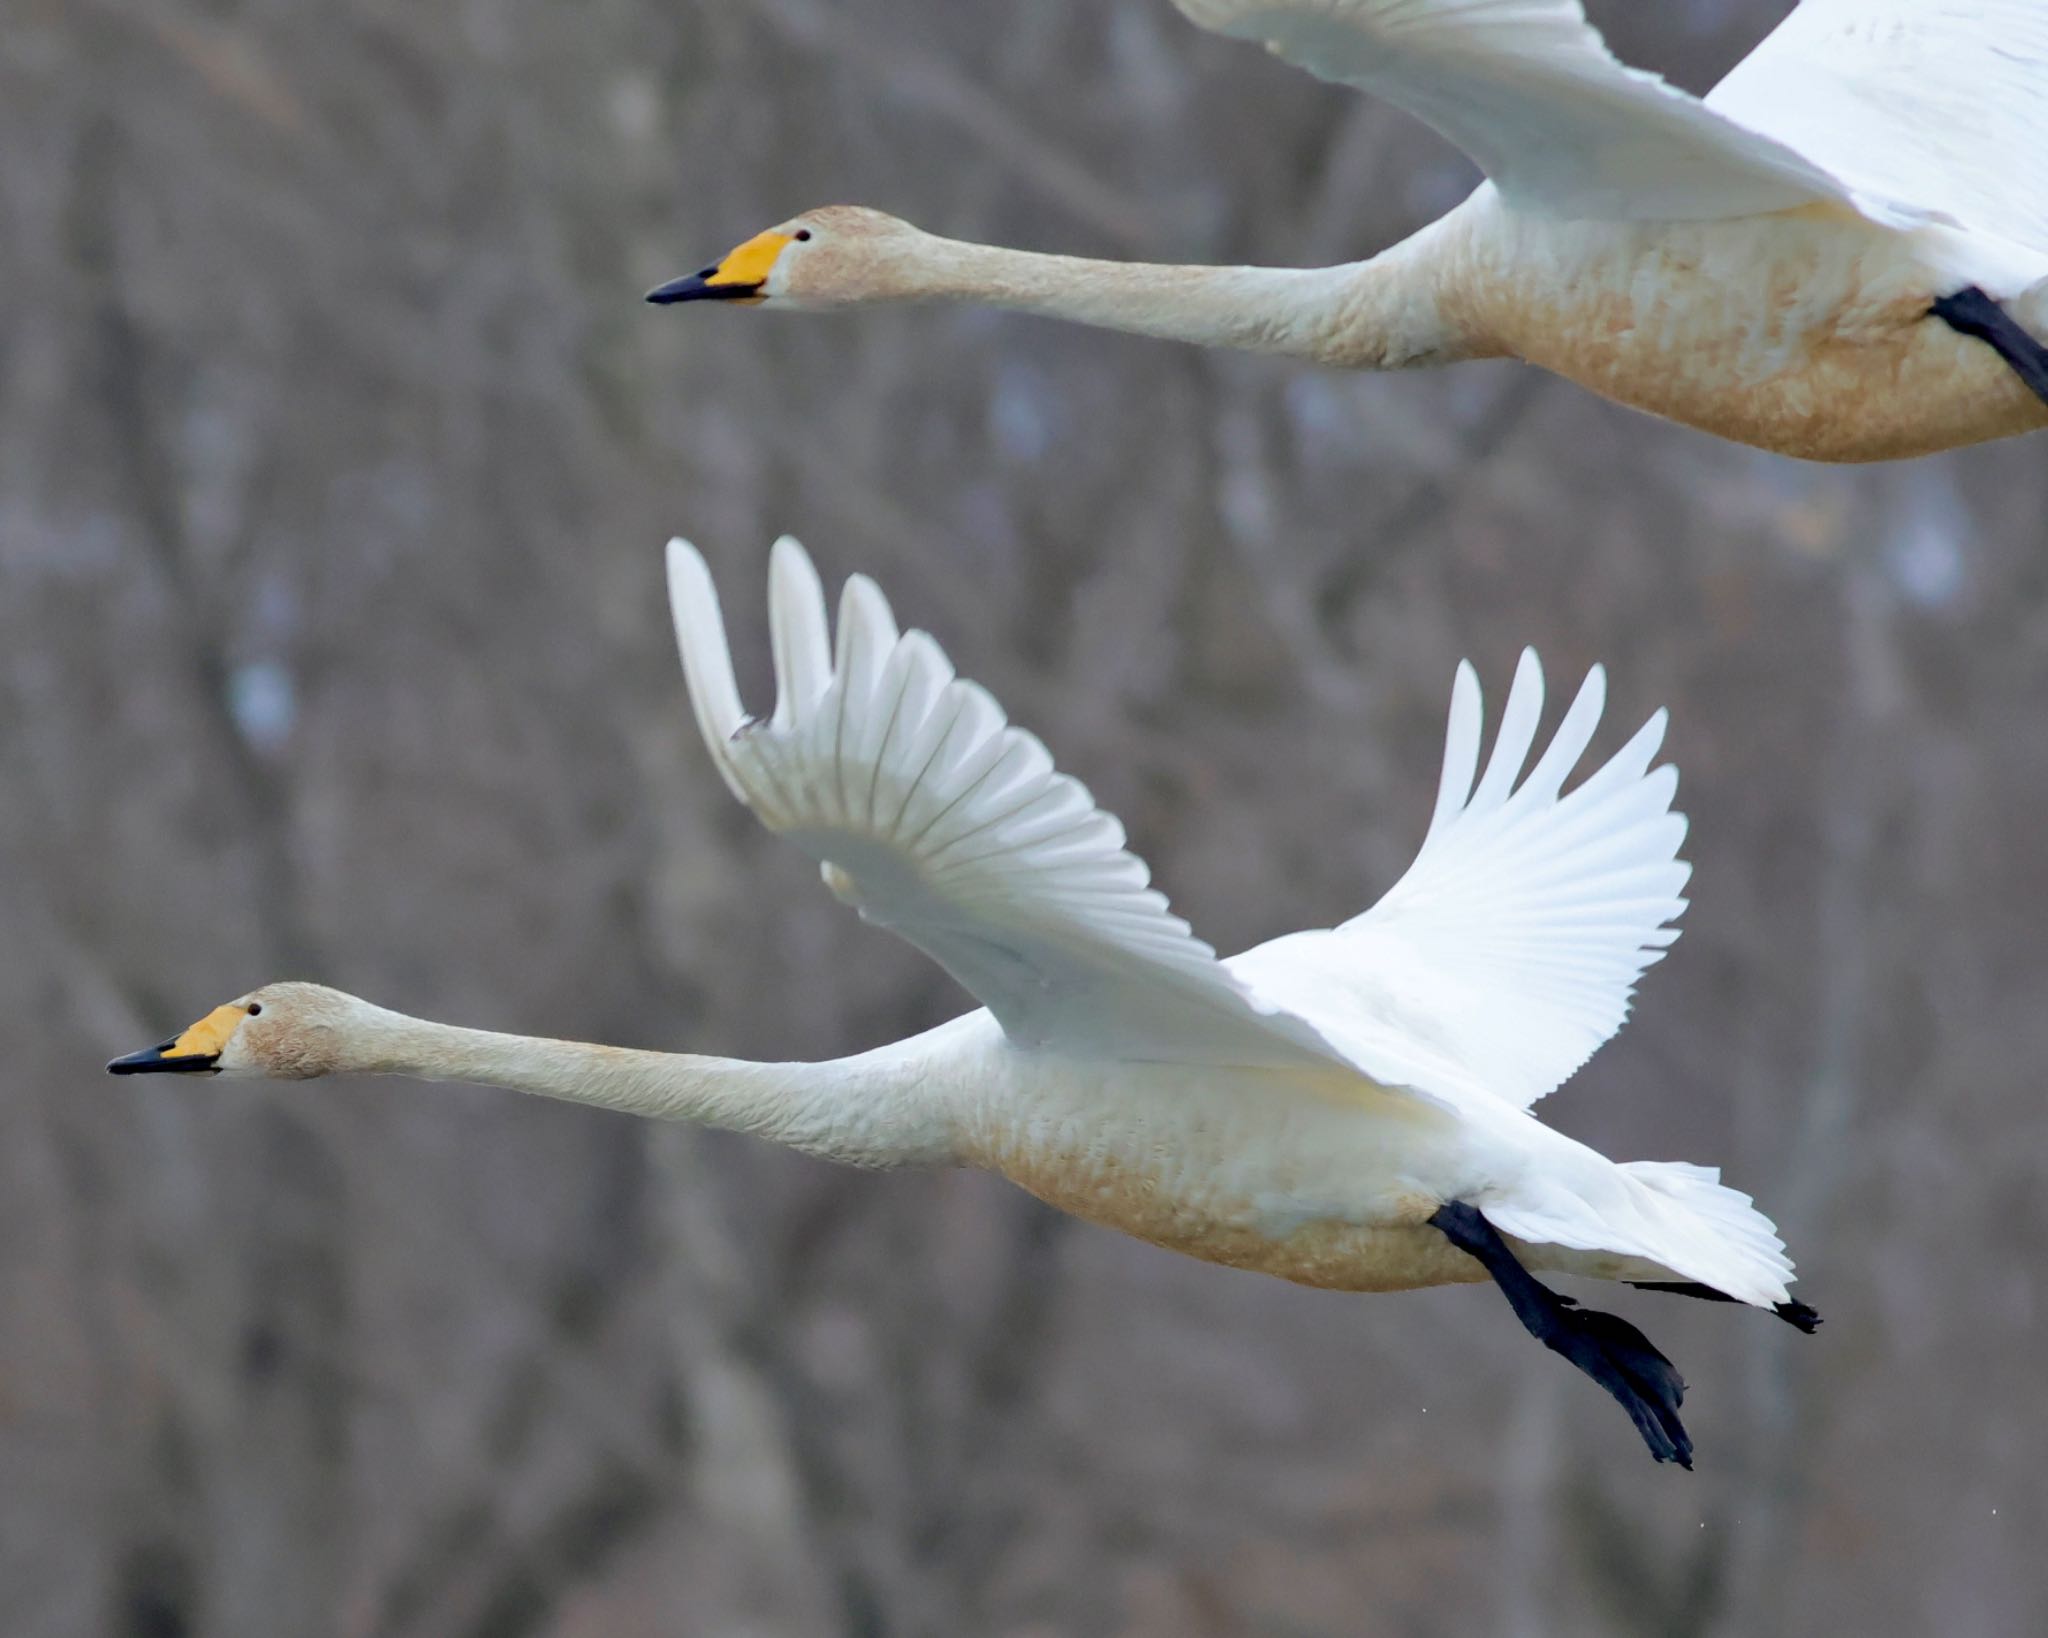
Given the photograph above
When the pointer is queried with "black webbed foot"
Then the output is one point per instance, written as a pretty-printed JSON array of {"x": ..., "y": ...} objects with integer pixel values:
[
  {"x": 1607, "y": 1348},
  {"x": 1624, "y": 1362},
  {"x": 1972, "y": 313},
  {"x": 1792, "y": 1313}
]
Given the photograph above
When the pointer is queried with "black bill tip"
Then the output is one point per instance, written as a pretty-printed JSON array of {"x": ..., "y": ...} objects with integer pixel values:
[
  {"x": 157, "y": 1060},
  {"x": 698, "y": 287}
]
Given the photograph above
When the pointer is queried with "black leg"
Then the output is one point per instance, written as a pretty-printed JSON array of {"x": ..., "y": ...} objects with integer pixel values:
[
  {"x": 1972, "y": 313},
  {"x": 1792, "y": 1313},
  {"x": 1609, "y": 1350}
]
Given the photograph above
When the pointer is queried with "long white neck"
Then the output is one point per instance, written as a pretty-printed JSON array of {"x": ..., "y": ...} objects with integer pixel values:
[
  {"x": 1386, "y": 313},
  {"x": 864, "y": 1110}
]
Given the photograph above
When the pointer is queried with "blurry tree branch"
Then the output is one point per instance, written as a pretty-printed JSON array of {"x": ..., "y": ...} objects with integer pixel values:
[{"x": 929, "y": 86}]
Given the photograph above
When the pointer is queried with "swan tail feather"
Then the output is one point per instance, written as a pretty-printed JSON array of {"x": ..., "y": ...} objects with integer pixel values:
[
  {"x": 1655, "y": 1215},
  {"x": 1712, "y": 1233}
]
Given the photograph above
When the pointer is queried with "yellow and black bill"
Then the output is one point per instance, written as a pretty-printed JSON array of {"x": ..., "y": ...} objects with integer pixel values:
[
  {"x": 166, "y": 1060},
  {"x": 196, "y": 1052},
  {"x": 742, "y": 276}
]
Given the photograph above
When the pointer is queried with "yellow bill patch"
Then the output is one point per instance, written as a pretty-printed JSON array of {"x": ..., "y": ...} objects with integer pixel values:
[
  {"x": 749, "y": 264},
  {"x": 206, "y": 1038}
]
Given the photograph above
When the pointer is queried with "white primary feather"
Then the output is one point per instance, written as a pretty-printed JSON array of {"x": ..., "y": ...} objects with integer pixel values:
[
  {"x": 938, "y": 820},
  {"x": 1509, "y": 950},
  {"x": 1531, "y": 92},
  {"x": 1940, "y": 102}
]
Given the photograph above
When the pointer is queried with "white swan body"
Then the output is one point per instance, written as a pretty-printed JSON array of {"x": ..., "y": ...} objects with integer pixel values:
[
  {"x": 1765, "y": 264},
  {"x": 1312, "y": 1108},
  {"x": 1806, "y": 333}
]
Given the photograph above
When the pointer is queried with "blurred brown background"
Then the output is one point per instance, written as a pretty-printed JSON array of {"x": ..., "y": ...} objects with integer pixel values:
[{"x": 336, "y": 453}]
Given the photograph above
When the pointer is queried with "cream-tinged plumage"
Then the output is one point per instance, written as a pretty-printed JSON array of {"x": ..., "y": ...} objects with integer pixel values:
[
  {"x": 1309, "y": 1109},
  {"x": 1764, "y": 264}
]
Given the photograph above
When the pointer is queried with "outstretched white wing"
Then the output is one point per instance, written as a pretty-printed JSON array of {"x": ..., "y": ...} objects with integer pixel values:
[
  {"x": 1530, "y": 91},
  {"x": 1508, "y": 952},
  {"x": 1940, "y": 102},
  {"x": 936, "y": 819}
]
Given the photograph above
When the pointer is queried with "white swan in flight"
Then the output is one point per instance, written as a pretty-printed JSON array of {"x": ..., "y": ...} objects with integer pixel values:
[
  {"x": 1346, "y": 1108},
  {"x": 1840, "y": 254}
]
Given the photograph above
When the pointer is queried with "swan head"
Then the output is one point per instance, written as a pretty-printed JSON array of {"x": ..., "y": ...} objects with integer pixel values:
[
  {"x": 282, "y": 1032},
  {"x": 836, "y": 256}
]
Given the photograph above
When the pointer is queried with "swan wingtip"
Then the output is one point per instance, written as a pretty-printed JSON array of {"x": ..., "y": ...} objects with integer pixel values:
[{"x": 681, "y": 555}]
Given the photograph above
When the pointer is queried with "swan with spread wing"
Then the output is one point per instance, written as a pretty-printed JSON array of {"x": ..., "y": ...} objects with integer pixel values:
[
  {"x": 1840, "y": 253},
  {"x": 1347, "y": 1107}
]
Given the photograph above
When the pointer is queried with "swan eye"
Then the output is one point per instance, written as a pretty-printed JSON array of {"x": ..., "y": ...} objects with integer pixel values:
[
  {"x": 802, "y": 235},
  {"x": 254, "y": 1008}
]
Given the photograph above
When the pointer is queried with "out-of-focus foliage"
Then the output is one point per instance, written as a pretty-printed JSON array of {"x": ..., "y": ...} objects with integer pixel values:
[{"x": 336, "y": 451}]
